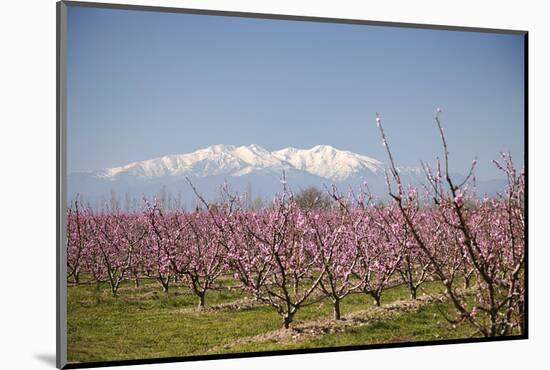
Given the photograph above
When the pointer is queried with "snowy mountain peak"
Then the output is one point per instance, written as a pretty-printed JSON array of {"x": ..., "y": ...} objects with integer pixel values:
[
  {"x": 323, "y": 148},
  {"x": 229, "y": 160},
  {"x": 219, "y": 148},
  {"x": 329, "y": 162}
]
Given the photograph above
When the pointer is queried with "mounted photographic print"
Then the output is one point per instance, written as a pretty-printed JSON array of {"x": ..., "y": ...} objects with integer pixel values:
[{"x": 234, "y": 184}]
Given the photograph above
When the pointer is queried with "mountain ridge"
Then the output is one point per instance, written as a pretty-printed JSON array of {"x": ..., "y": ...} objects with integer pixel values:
[
  {"x": 321, "y": 160},
  {"x": 247, "y": 168}
]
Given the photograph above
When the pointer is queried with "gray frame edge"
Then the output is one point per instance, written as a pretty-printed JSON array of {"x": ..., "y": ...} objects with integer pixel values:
[
  {"x": 286, "y": 17},
  {"x": 61, "y": 198}
]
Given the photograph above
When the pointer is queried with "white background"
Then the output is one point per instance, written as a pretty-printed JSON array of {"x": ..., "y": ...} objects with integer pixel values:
[{"x": 27, "y": 182}]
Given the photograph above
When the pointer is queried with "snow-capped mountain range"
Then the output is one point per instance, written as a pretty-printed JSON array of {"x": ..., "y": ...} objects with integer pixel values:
[
  {"x": 249, "y": 168},
  {"x": 322, "y": 160}
]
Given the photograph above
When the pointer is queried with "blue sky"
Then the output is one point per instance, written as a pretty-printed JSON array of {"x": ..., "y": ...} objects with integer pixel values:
[{"x": 145, "y": 84}]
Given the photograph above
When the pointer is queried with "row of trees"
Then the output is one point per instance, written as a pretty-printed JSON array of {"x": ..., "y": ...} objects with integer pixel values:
[
  {"x": 309, "y": 197},
  {"x": 289, "y": 256}
]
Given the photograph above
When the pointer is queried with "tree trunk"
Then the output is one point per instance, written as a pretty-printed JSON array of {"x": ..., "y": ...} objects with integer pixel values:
[
  {"x": 494, "y": 325},
  {"x": 376, "y": 299},
  {"x": 413, "y": 292},
  {"x": 287, "y": 319},
  {"x": 136, "y": 282},
  {"x": 337, "y": 315},
  {"x": 466, "y": 282},
  {"x": 165, "y": 284},
  {"x": 201, "y": 300},
  {"x": 114, "y": 287}
]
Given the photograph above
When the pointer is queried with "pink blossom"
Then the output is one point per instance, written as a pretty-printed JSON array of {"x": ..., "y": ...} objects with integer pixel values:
[{"x": 459, "y": 199}]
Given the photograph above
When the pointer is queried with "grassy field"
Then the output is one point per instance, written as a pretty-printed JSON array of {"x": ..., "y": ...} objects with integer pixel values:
[{"x": 144, "y": 322}]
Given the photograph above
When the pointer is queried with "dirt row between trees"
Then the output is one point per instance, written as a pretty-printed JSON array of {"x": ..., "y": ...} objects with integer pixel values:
[
  {"x": 302, "y": 331},
  {"x": 236, "y": 305}
]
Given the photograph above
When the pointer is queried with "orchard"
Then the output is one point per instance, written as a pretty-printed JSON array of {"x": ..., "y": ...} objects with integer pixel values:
[{"x": 288, "y": 257}]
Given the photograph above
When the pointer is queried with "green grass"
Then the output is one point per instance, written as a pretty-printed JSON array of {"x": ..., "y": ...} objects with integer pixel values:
[
  {"x": 424, "y": 324},
  {"x": 144, "y": 322}
]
